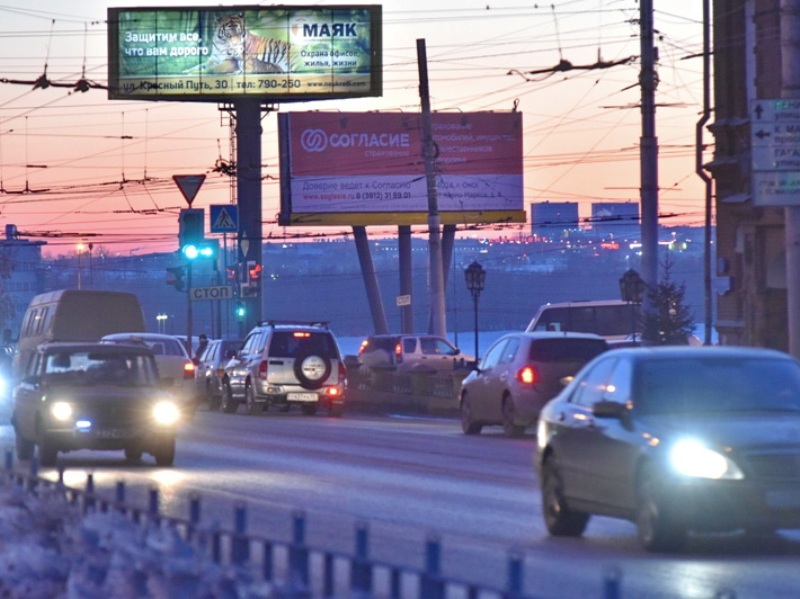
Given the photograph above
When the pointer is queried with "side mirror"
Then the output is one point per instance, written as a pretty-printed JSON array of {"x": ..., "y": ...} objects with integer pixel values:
[{"x": 609, "y": 409}]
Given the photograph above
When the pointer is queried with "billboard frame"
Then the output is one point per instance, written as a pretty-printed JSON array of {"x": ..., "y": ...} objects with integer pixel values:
[{"x": 267, "y": 86}]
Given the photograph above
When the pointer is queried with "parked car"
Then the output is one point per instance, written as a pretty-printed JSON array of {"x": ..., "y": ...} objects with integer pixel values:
[
  {"x": 407, "y": 351},
  {"x": 518, "y": 375},
  {"x": 93, "y": 396},
  {"x": 675, "y": 439},
  {"x": 286, "y": 364},
  {"x": 175, "y": 367},
  {"x": 210, "y": 369}
]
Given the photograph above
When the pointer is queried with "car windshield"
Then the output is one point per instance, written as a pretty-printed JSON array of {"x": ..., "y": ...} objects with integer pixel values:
[
  {"x": 95, "y": 368},
  {"x": 693, "y": 385}
]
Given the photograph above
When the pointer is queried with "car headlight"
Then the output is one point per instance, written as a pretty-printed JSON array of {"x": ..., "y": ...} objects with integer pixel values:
[
  {"x": 61, "y": 411},
  {"x": 692, "y": 458},
  {"x": 166, "y": 413}
]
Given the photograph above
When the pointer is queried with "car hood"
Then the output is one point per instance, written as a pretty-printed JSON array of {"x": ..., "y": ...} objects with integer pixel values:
[{"x": 740, "y": 430}]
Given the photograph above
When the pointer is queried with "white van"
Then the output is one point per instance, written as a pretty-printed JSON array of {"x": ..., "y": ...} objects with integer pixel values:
[
  {"x": 75, "y": 315},
  {"x": 615, "y": 320}
]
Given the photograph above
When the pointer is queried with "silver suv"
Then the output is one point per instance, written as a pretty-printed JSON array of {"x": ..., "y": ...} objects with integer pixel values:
[{"x": 284, "y": 364}]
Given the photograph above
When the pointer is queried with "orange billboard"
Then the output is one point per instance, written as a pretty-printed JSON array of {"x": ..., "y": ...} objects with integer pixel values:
[{"x": 368, "y": 168}]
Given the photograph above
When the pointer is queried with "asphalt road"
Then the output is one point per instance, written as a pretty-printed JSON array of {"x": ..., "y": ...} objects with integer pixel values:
[{"x": 410, "y": 478}]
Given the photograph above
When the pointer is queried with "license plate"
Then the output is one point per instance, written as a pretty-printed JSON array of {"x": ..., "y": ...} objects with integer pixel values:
[
  {"x": 783, "y": 499},
  {"x": 109, "y": 433},
  {"x": 301, "y": 397}
]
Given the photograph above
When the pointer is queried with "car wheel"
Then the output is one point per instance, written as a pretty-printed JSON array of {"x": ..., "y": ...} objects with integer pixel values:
[
  {"x": 308, "y": 410},
  {"x": 312, "y": 370},
  {"x": 48, "y": 453},
  {"x": 468, "y": 424},
  {"x": 229, "y": 403},
  {"x": 25, "y": 447},
  {"x": 510, "y": 428},
  {"x": 253, "y": 408},
  {"x": 657, "y": 529},
  {"x": 559, "y": 519},
  {"x": 213, "y": 399},
  {"x": 164, "y": 452},
  {"x": 133, "y": 453}
]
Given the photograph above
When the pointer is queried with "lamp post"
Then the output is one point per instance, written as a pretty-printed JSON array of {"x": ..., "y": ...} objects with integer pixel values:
[
  {"x": 476, "y": 278},
  {"x": 162, "y": 321},
  {"x": 631, "y": 287}
]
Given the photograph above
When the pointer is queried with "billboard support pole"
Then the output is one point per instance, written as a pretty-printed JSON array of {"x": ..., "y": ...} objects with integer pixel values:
[
  {"x": 406, "y": 278},
  {"x": 248, "y": 192},
  {"x": 438, "y": 323},
  {"x": 370, "y": 280}
]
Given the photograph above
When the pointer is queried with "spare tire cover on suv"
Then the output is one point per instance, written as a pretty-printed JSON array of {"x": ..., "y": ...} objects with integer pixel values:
[{"x": 312, "y": 370}]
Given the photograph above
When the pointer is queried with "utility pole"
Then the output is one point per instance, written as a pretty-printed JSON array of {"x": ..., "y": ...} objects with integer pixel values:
[
  {"x": 699, "y": 168},
  {"x": 436, "y": 266},
  {"x": 648, "y": 149},
  {"x": 790, "y": 89}
]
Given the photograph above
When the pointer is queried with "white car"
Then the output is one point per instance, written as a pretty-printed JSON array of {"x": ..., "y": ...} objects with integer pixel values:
[{"x": 175, "y": 368}]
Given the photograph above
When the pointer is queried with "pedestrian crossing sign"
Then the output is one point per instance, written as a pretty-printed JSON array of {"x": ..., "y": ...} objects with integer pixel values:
[{"x": 224, "y": 218}]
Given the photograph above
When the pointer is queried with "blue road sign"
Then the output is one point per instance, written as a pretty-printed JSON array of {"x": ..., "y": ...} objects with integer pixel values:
[{"x": 224, "y": 218}]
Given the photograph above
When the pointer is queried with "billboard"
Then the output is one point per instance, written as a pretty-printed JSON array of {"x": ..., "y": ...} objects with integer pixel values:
[
  {"x": 368, "y": 168},
  {"x": 276, "y": 53}
]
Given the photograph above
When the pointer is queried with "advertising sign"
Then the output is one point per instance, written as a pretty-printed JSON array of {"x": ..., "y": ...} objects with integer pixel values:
[
  {"x": 368, "y": 168},
  {"x": 279, "y": 53}
]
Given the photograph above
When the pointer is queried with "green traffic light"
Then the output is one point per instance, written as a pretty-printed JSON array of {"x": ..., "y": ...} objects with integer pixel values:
[
  {"x": 193, "y": 251},
  {"x": 240, "y": 310}
]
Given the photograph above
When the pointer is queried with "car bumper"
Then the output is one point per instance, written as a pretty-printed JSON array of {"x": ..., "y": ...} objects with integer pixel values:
[
  {"x": 108, "y": 437},
  {"x": 331, "y": 394},
  {"x": 728, "y": 505}
]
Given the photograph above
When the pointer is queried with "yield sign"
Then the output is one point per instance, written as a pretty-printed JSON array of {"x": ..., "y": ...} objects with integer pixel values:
[{"x": 189, "y": 185}]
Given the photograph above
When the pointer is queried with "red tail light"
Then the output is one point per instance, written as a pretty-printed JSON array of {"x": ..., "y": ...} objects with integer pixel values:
[
  {"x": 262, "y": 370},
  {"x": 528, "y": 375},
  {"x": 363, "y": 346},
  {"x": 398, "y": 353},
  {"x": 188, "y": 370}
]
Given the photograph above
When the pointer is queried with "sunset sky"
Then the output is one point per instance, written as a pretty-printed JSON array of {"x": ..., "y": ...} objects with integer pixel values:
[{"x": 80, "y": 167}]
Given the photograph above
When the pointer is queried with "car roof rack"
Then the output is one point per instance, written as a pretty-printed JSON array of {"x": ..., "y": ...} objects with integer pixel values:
[{"x": 314, "y": 323}]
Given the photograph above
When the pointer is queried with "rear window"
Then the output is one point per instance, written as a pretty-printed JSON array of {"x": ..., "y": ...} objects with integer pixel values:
[
  {"x": 291, "y": 344},
  {"x": 387, "y": 343},
  {"x": 566, "y": 350}
]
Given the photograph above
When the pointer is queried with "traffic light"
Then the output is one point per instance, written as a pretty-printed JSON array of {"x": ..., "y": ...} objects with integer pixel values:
[
  {"x": 203, "y": 249},
  {"x": 190, "y": 231},
  {"x": 175, "y": 277},
  {"x": 254, "y": 270},
  {"x": 241, "y": 311},
  {"x": 231, "y": 273}
]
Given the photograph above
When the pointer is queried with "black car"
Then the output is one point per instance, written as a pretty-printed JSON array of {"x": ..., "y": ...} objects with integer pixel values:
[
  {"x": 94, "y": 396},
  {"x": 676, "y": 439}
]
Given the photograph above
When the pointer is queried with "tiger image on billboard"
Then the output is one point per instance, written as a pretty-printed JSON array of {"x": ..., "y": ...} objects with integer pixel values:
[{"x": 236, "y": 50}]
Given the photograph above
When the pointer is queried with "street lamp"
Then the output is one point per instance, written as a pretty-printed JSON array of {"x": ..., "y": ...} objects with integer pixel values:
[
  {"x": 162, "y": 321},
  {"x": 476, "y": 278},
  {"x": 631, "y": 287}
]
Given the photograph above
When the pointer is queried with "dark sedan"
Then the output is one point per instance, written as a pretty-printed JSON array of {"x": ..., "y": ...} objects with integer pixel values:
[
  {"x": 676, "y": 439},
  {"x": 94, "y": 396}
]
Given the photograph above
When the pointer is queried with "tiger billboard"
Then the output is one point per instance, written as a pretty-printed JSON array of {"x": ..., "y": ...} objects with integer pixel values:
[
  {"x": 276, "y": 53},
  {"x": 368, "y": 168}
]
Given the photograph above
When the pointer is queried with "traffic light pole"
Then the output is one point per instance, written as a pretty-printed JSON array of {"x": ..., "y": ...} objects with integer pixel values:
[{"x": 189, "y": 308}]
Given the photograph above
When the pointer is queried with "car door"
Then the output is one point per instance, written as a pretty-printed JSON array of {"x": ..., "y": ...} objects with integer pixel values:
[
  {"x": 574, "y": 427},
  {"x": 437, "y": 353},
  {"x": 483, "y": 389},
  {"x": 27, "y": 395}
]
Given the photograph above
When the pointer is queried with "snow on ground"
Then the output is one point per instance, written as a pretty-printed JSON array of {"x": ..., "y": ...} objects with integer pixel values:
[{"x": 50, "y": 550}]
